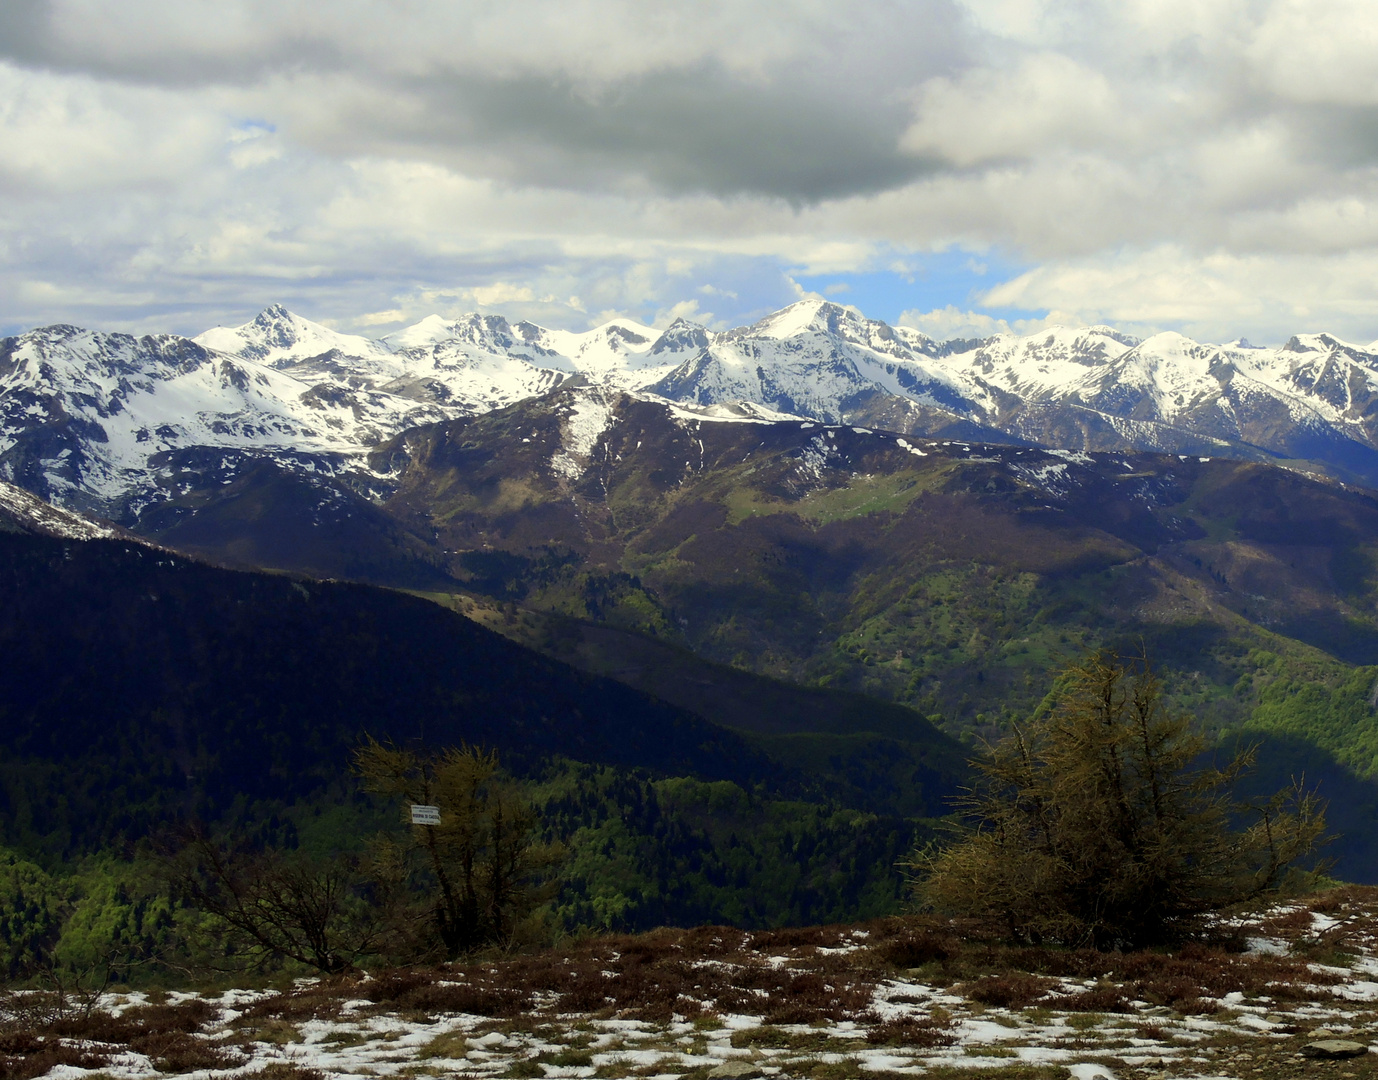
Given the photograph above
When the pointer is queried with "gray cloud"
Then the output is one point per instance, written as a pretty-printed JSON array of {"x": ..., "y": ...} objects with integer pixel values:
[
  {"x": 382, "y": 155},
  {"x": 820, "y": 117},
  {"x": 680, "y": 131},
  {"x": 25, "y": 30}
]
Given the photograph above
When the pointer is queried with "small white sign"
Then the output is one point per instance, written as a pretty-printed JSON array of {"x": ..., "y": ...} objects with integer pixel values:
[{"x": 425, "y": 815}]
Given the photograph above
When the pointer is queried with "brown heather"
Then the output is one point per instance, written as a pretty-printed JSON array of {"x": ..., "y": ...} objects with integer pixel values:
[{"x": 784, "y": 978}]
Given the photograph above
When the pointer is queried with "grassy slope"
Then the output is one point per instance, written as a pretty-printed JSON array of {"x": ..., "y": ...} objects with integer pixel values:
[{"x": 944, "y": 583}]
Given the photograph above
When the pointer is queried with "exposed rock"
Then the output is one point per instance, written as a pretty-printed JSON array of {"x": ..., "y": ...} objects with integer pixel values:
[
  {"x": 1334, "y": 1048},
  {"x": 736, "y": 1070}
]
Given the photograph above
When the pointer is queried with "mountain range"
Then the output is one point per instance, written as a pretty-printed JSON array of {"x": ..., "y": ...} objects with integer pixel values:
[
  {"x": 108, "y": 423},
  {"x": 831, "y": 534}
]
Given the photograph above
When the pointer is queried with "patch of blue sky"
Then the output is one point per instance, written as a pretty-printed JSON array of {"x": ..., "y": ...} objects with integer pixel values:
[{"x": 923, "y": 283}]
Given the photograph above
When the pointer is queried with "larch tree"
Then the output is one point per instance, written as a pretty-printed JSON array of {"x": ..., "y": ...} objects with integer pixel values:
[
  {"x": 1098, "y": 823},
  {"x": 486, "y": 867}
]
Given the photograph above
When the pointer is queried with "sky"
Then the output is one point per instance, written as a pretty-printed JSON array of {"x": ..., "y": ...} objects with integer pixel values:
[{"x": 961, "y": 166}]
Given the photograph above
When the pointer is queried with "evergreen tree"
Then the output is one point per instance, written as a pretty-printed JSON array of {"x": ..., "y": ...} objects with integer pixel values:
[{"x": 1096, "y": 824}]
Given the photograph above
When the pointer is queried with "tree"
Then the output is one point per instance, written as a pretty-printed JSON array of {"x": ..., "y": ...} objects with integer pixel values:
[
  {"x": 75, "y": 935},
  {"x": 1096, "y": 823},
  {"x": 487, "y": 870},
  {"x": 325, "y": 913}
]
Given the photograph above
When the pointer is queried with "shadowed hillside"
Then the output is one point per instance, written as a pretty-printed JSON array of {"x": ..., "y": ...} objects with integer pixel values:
[{"x": 139, "y": 685}]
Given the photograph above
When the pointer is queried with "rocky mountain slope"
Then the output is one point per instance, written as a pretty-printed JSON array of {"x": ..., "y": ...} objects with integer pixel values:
[
  {"x": 110, "y": 423},
  {"x": 29, "y": 515}
]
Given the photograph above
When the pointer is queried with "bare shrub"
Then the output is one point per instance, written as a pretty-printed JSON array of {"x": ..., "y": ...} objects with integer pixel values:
[
  {"x": 318, "y": 912},
  {"x": 183, "y": 1018},
  {"x": 24, "y": 1055},
  {"x": 915, "y": 949},
  {"x": 1014, "y": 991},
  {"x": 795, "y": 937},
  {"x": 282, "y": 1070},
  {"x": 322, "y": 1001},
  {"x": 394, "y": 984},
  {"x": 1098, "y": 999},
  {"x": 178, "y": 1052},
  {"x": 911, "y": 1032},
  {"x": 497, "y": 1001}
]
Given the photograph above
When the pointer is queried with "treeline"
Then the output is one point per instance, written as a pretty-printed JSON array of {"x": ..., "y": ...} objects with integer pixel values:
[
  {"x": 623, "y": 851},
  {"x": 681, "y": 852}
]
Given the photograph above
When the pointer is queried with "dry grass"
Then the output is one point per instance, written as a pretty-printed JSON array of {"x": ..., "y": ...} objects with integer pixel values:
[
  {"x": 799, "y": 983},
  {"x": 165, "y": 1033}
]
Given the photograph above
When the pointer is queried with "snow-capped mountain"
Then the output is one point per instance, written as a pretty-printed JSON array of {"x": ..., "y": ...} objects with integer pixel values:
[
  {"x": 1091, "y": 388},
  {"x": 109, "y": 422},
  {"x": 88, "y": 418}
]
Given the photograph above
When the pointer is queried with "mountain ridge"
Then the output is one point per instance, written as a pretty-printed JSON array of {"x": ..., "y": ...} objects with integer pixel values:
[{"x": 106, "y": 423}]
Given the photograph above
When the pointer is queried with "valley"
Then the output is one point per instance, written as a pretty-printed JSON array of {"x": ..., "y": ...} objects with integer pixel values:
[
  {"x": 949, "y": 577},
  {"x": 778, "y": 632}
]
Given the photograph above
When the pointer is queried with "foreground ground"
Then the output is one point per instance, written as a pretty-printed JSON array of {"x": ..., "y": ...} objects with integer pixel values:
[{"x": 894, "y": 997}]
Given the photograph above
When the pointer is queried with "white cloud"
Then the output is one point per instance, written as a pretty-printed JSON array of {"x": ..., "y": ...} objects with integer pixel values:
[
  {"x": 1212, "y": 297},
  {"x": 70, "y": 133},
  {"x": 502, "y": 292},
  {"x": 1318, "y": 51},
  {"x": 392, "y": 317},
  {"x": 688, "y": 310},
  {"x": 992, "y": 114},
  {"x": 947, "y": 323}
]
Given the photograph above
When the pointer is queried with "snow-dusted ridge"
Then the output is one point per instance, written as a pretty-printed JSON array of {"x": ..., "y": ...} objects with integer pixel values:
[
  {"x": 25, "y": 513},
  {"x": 87, "y": 418}
]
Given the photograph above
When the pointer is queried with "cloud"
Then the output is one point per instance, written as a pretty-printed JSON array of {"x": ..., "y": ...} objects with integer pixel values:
[
  {"x": 63, "y": 134},
  {"x": 502, "y": 292},
  {"x": 1046, "y": 102},
  {"x": 1212, "y": 297},
  {"x": 1317, "y": 51},
  {"x": 688, "y": 310},
  {"x": 392, "y": 317},
  {"x": 947, "y": 323},
  {"x": 800, "y": 103},
  {"x": 170, "y": 163}
]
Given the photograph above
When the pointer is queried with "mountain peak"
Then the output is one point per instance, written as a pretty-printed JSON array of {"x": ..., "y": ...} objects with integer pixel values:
[
  {"x": 429, "y": 330},
  {"x": 277, "y": 335},
  {"x": 804, "y": 315}
]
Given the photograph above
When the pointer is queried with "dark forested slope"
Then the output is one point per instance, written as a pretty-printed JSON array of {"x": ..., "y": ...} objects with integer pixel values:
[{"x": 137, "y": 685}]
